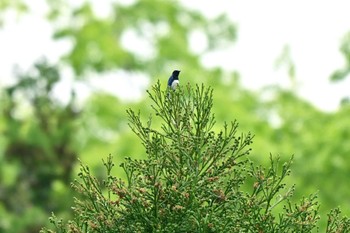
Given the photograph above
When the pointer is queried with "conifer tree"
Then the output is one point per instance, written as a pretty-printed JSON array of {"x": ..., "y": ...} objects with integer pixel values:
[{"x": 194, "y": 178}]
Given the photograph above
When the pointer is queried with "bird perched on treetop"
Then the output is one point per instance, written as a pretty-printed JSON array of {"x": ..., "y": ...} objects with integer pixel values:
[{"x": 174, "y": 79}]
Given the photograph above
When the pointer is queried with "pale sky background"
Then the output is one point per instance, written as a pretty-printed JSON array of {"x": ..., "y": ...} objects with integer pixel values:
[{"x": 313, "y": 30}]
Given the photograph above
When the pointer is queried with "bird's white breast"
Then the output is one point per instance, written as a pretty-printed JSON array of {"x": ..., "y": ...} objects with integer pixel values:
[{"x": 174, "y": 84}]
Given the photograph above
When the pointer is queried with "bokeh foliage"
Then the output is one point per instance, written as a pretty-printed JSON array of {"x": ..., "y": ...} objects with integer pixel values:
[
  {"x": 39, "y": 148},
  {"x": 149, "y": 37}
]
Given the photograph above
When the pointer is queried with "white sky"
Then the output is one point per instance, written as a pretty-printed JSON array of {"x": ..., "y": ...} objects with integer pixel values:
[{"x": 313, "y": 30}]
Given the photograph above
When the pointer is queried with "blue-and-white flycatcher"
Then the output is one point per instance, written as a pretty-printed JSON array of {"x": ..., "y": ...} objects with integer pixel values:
[{"x": 174, "y": 79}]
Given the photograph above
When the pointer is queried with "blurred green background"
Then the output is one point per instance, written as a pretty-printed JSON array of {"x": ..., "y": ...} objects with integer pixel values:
[{"x": 54, "y": 112}]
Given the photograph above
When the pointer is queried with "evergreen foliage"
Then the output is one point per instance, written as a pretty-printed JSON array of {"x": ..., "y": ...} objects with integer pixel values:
[{"x": 193, "y": 179}]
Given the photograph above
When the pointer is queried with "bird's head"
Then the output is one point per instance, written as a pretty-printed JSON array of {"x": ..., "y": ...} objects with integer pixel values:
[{"x": 176, "y": 73}]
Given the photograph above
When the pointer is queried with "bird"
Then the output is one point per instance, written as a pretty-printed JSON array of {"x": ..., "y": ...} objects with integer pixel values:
[{"x": 174, "y": 79}]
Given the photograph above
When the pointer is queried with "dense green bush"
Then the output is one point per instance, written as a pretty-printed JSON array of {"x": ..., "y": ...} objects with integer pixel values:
[{"x": 195, "y": 178}]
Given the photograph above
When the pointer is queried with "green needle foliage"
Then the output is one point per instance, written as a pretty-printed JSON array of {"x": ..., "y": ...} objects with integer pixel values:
[{"x": 193, "y": 179}]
